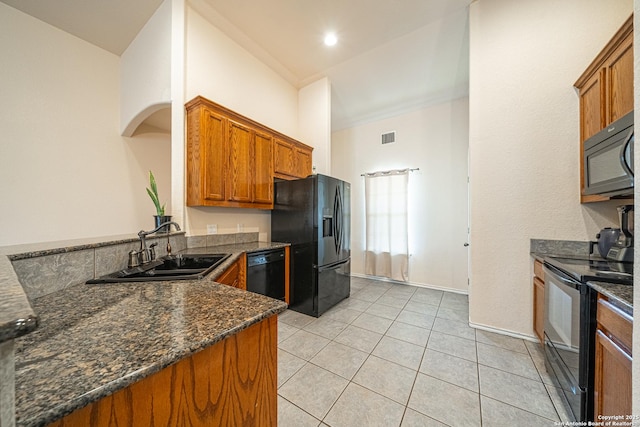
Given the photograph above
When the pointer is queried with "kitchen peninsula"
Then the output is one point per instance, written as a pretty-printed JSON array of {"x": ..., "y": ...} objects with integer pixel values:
[{"x": 192, "y": 351}]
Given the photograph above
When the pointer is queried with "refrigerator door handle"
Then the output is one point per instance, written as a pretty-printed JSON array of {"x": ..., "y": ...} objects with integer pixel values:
[
  {"x": 333, "y": 266},
  {"x": 337, "y": 215}
]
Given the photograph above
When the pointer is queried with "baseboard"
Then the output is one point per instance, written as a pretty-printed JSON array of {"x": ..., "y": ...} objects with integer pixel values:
[
  {"x": 419, "y": 285},
  {"x": 500, "y": 331}
]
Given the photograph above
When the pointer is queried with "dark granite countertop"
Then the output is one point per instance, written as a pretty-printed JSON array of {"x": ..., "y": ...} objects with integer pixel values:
[
  {"x": 17, "y": 317},
  {"x": 16, "y": 314},
  {"x": 619, "y": 295},
  {"x": 96, "y": 339}
]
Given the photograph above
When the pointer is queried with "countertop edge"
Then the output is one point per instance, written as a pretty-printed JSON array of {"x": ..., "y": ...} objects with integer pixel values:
[
  {"x": 619, "y": 295},
  {"x": 96, "y": 394},
  {"x": 612, "y": 291},
  {"x": 17, "y": 317},
  {"x": 55, "y": 413}
]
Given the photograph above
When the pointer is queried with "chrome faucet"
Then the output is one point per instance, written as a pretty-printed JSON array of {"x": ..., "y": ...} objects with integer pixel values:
[{"x": 146, "y": 255}]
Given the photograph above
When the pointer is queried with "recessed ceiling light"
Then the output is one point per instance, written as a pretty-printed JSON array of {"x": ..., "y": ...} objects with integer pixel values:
[{"x": 330, "y": 39}]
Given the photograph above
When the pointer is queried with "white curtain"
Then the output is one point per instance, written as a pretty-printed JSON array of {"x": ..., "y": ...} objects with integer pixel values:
[{"x": 387, "y": 239}]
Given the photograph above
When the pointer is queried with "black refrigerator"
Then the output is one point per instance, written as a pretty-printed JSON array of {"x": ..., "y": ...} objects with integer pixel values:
[{"x": 314, "y": 215}]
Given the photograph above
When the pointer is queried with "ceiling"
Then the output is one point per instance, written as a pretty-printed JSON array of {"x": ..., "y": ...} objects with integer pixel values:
[{"x": 392, "y": 56}]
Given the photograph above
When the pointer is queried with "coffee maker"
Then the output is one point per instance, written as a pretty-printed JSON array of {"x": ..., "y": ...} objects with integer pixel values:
[{"x": 622, "y": 249}]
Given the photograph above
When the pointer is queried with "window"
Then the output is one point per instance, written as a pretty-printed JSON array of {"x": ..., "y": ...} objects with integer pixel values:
[{"x": 386, "y": 217}]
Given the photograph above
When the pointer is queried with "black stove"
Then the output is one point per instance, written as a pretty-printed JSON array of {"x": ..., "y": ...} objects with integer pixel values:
[{"x": 596, "y": 270}]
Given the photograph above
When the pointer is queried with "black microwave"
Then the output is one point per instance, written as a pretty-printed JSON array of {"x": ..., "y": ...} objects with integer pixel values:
[{"x": 608, "y": 159}]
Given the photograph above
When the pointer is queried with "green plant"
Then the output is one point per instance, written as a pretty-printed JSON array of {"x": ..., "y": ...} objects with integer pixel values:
[{"x": 153, "y": 193}]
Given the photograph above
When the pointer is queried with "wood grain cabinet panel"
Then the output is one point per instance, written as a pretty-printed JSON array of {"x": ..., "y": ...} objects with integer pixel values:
[
  {"x": 284, "y": 158},
  {"x": 233, "y": 160},
  {"x": 619, "y": 72},
  {"x": 538, "y": 300},
  {"x": 592, "y": 106},
  {"x": 538, "y": 308},
  {"x": 232, "y": 383},
  {"x": 240, "y": 163},
  {"x": 206, "y": 157},
  {"x": 613, "y": 360},
  {"x": 292, "y": 160},
  {"x": 303, "y": 163},
  {"x": 236, "y": 274},
  {"x": 606, "y": 91},
  {"x": 263, "y": 168}
]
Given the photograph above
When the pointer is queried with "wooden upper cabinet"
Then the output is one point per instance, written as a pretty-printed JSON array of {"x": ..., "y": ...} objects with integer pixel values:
[
  {"x": 292, "y": 159},
  {"x": 263, "y": 168},
  {"x": 619, "y": 72},
  {"x": 232, "y": 160},
  {"x": 283, "y": 158},
  {"x": 592, "y": 106},
  {"x": 606, "y": 91},
  {"x": 303, "y": 162},
  {"x": 206, "y": 156},
  {"x": 240, "y": 163}
]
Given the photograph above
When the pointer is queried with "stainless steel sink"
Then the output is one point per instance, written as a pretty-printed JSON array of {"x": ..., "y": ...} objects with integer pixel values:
[{"x": 172, "y": 267}]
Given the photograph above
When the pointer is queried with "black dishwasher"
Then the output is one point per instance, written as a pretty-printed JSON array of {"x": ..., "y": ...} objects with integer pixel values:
[{"x": 265, "y": 273}]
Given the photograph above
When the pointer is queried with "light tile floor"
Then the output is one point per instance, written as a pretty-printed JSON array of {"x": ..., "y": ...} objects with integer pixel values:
[{"x": 399, "y": 355}]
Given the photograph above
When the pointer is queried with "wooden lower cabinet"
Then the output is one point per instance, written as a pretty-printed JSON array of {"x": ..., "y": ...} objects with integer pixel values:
[
  {"x": 538, "y": 300},
  {"x": 236, "y": 274},
  {"x": 232, "y": 383},
  {"x": 613, "y": 360},
  {"x": 538, "y": 308}
]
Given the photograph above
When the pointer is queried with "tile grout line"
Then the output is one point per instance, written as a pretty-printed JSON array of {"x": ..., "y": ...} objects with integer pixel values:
[
  {"x": 358, "y": 370},
  {"x": 545, "y": 385},
  {"x": 382, "y": 336},
  {"x": 406, "y": 407}
]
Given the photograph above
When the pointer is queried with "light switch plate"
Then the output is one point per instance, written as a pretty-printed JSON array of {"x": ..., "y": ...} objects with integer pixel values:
[{"x": 212, "y": 228}]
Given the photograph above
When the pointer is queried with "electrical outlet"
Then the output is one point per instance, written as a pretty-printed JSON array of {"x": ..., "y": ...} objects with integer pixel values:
[
  {"x": 240, "y": 228},
  {"x": 212, "y": 228}
]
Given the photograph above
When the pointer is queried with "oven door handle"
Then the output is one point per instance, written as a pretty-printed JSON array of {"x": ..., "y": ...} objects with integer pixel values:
[{"x": 560, "y": 277}]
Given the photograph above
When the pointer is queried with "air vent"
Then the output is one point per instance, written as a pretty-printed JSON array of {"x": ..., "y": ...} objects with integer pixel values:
[{"x": 389, "y": 137}]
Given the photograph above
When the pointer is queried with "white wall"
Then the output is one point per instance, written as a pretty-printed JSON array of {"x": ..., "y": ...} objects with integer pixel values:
[
  {"x": 315, "y": 122},
  {"x": 435, "y": 140},
  {"x": 145, "y": 71},
  {"x": 222, "y": 71},
  {"x": 65, "y": 171},
  {"x": 524, "y": 142}
]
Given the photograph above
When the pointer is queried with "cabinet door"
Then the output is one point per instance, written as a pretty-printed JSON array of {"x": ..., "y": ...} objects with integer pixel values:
[
  {"x": 231, "y": 276},
  {"x": 283, "y": 157},
  {"x": 215, "y": 164},
  {"x": 263, "y": 169},
  {"x": 235, "y": 274},
  {"x": 303, "y": 163},
  {"x": 240, "y": 162},
  {"x": 592, "y": 106},
  {"x": 619, "y": 69},
  {"x": 206, "y": 157},
  {"x": 538, "y": 308},
  {"x": 612, "y": 390}
]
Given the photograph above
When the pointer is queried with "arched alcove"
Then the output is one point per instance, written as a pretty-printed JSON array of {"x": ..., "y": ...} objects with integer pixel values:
[{"x": 155, "y": 118}]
